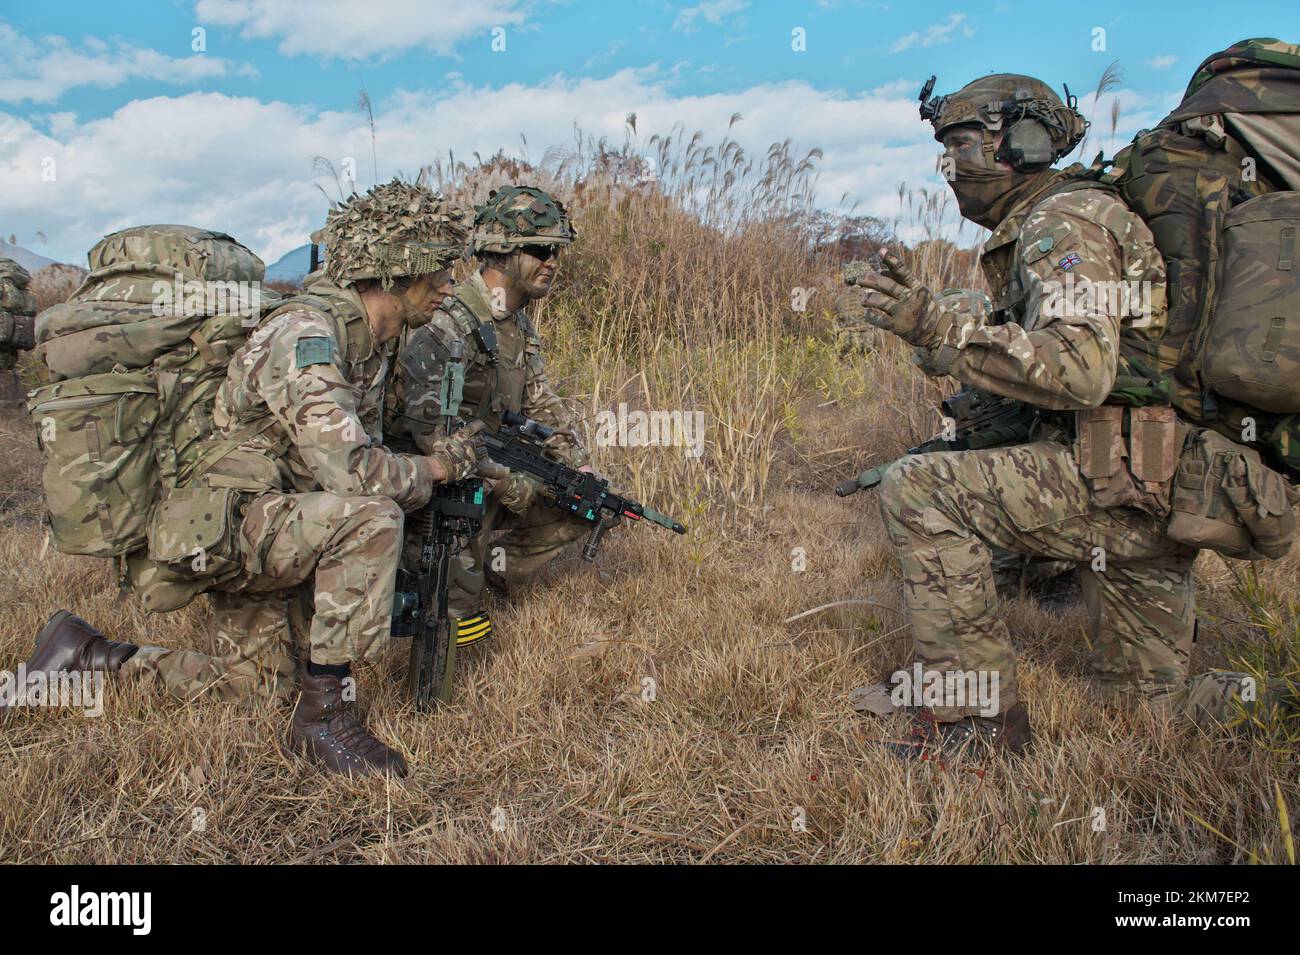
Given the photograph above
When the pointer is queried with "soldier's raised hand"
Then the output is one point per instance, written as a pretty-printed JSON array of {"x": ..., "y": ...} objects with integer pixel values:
[{"x": 897, "y": 301}]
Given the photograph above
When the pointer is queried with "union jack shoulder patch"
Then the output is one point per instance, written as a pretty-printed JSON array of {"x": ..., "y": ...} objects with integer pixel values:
[{"x": 1069, "y": 261}]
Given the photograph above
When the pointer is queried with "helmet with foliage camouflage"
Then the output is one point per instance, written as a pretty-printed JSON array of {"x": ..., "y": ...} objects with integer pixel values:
[
  {"x": 394, "y": 230},
  {"x": 516, "y": 216},
  {"x": 1040, "y": 127}
]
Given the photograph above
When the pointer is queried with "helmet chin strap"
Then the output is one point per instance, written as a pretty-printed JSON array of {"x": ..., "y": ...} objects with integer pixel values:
[
  {"x": 411, "y": 316},
  {"x": 990, "y": 150},
  {"x": 511, "y": 268},
  {"x": 986, "y": 191}
]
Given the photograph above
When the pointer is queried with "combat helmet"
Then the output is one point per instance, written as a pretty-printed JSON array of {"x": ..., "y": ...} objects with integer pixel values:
[
  {"x": 1040, "y": 126},
  {"x": 396, "y": 229},
  {"x": 516, "y": 216}
]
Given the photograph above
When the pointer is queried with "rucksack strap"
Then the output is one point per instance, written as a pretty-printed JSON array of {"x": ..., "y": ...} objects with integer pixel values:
[{"x": 214, "y": 453}]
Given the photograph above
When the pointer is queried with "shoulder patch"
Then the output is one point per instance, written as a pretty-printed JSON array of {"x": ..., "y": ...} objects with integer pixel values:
[
  {"x": 314, "y": 350},
  {"x": 1069, "y": 261}
]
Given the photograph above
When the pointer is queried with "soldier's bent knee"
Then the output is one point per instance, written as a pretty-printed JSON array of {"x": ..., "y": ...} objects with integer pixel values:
[
  {"x": 377, "y": 519},
  {"x": 903, "y": 483}
]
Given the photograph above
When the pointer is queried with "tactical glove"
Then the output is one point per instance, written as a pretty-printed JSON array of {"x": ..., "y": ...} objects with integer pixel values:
[
  {"x": 459, "y": 454},
  {"x": 897, "y": 301},
  {"x": 517, "y": 492}
]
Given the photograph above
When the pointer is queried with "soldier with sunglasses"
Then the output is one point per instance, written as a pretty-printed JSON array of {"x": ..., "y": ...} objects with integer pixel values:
[{"x": 518, "y": 236}]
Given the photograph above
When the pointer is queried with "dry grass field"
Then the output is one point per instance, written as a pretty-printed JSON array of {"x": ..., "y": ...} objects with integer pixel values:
[{"x": 677, "y": 297}]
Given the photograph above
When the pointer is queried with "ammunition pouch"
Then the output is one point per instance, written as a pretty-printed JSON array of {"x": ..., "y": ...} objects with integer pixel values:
[
  {"x": 470, "y": 630},
  {"x": 1128, "y": 455},
  {"x": 1226, "y": 499},
  {"x": 194, "y": 533}
]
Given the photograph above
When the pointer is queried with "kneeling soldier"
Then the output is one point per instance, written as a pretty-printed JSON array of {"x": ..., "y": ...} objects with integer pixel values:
[
  {"x": 518, "y": 236},
  {"x": 307, "y": 587}
]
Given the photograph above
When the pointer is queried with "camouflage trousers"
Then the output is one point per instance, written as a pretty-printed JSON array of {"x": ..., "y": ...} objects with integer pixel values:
[
  {"x": 316, "y": 583},
  {"x": 531, "y": 540},
  {"x": 945, "y": 512}
]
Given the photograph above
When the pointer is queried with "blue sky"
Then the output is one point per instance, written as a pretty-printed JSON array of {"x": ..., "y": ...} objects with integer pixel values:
[{"x": 225, "y": 136}]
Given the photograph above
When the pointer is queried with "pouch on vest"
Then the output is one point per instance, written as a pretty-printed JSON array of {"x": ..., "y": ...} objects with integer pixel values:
[
  {"x": 1128, "y": 467},
  {"x": 195, "y": 533},
  {"x": 1226, "y": 499}
]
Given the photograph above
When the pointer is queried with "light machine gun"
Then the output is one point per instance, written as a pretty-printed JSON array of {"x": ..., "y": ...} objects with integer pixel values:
[{"x": 454, "y": 513}]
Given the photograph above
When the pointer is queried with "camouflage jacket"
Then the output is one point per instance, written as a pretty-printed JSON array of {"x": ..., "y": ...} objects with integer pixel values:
[
  {"x": 517, "y": 382},
  {"x": 308, "y": 388},
  {"x": 1079, "y": 291}
]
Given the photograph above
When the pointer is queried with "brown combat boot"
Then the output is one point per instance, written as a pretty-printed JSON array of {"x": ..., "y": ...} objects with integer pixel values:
[
  {"x": 929, "y": 739},
  {"x": 326, "y": 730},
  {"x": 68, "y": 644}
]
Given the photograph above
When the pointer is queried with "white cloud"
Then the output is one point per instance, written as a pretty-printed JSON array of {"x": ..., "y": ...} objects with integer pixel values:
[
  {"x": 1162, "y": 62},
  {"x": 40, "y": 71},
  {"x": 711, "y": 11},
  {"x": 245, "y": 166},
  {"x": 1136, "y": 112},
  {"x": 356, "y": 29},
  {"x": 934, "y": 34}
]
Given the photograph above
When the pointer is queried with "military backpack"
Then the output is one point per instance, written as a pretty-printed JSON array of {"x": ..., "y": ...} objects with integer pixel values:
[
  {"x": 132, "y": 363},
  {"x": 1218, "y": 183}
]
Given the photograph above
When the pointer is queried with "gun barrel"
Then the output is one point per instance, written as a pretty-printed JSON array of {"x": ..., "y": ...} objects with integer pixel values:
[{"x": 663, "y": 520}]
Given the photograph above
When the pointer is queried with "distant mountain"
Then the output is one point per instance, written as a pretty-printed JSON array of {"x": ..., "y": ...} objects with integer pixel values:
[
  {"x": 24, "y": 257},
  {"x": 291, "y": 267}
]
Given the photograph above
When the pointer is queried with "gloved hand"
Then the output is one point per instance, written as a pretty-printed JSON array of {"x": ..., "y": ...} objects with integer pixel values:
[
  {"x": 897, "y": 301},
  {"x": 517, "y": 492},
  {"x": 564, "y": 447},
  {"x": 458, "y": 456}
]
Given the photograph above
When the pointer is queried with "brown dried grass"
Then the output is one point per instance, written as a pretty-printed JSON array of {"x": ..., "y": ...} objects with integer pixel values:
[{"x": 548, "y": 734}]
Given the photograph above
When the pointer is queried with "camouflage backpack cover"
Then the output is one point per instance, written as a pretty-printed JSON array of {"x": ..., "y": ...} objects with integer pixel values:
[
  {"x": 132, "y": 363},
  {"x": 1217, "y": 182},
  {"x": 17, "y": 308}
]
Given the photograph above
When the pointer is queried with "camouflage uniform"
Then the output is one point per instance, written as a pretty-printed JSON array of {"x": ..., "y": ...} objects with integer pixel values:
[
  {"x": 318, "y": 542},
  {"x": 944, "y": 512},
  {"x": 17, "y": 311},
  {"x": 325, "y": 504},
  {"x": 517, "y": 383}
]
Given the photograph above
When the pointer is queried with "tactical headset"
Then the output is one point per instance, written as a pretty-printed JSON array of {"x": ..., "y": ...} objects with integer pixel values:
[{"x": 1038, "y": 131}]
